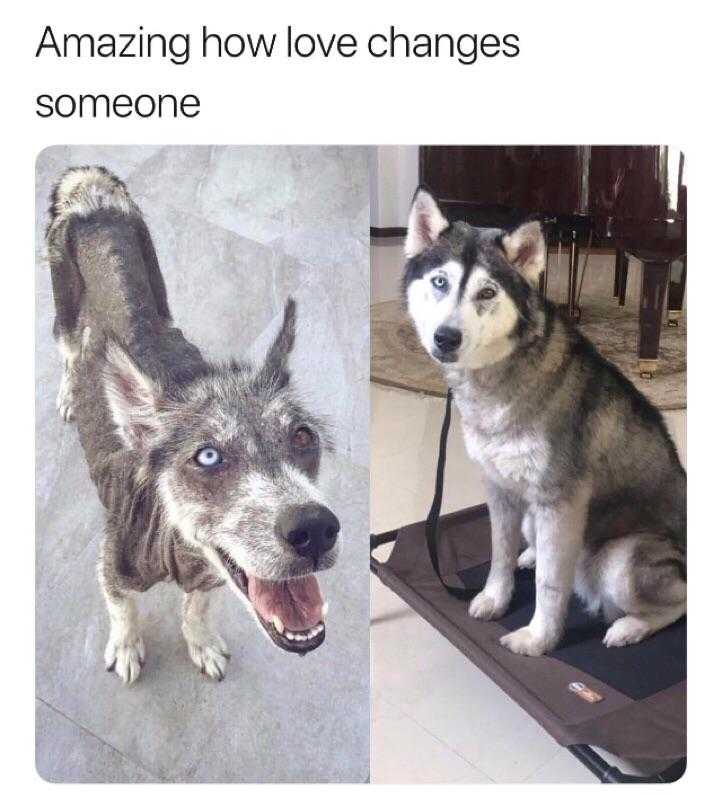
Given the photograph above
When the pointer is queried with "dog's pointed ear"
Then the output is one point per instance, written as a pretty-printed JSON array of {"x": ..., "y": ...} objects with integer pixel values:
[
  {"x": 134, "y": 399},
  {"x": 426, "y": 222},
  {"x": 525, "y": 249},
  {"x": 275, "y": 366}
]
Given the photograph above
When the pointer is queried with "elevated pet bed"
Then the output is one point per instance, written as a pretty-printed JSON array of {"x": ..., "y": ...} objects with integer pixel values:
[{"x": 629, "y": 701}]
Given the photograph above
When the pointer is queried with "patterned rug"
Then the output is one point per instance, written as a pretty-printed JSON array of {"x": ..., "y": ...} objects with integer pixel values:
[{"x": 397, "y": 358}]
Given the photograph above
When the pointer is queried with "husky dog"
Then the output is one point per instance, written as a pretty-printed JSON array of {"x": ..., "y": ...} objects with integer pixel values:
[
  {"x": 572, "y": 456},
  {"x": 207, "y": 472}
]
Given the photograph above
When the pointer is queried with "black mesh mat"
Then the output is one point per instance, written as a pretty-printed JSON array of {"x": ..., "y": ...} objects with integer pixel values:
[
  {"x": 637, "y": 671},
  {"x": 641, "y": 711}
]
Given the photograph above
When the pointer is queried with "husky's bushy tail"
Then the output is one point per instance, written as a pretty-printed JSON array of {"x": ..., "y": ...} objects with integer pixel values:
[
  {"x": 79, "y": 193},
  {"x": 87, "y": 189},
  {"x": 92, "y": 195}
]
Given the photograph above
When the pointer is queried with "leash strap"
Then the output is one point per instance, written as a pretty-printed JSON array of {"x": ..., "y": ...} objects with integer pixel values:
[{"x": 432, "y": 521}]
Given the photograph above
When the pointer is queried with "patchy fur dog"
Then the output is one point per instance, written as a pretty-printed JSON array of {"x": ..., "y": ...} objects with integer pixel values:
[
  {"x": 572, "y": 456},
  {"x": 207, "y": 472}
]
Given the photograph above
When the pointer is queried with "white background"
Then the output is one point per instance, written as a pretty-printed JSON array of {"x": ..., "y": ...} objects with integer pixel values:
[{"x": 612, "y": 72}]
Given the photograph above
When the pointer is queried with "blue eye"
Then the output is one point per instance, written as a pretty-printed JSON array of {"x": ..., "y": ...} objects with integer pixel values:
[
  {"x": 440, "y": 282},
  {"x": 208, "y": 457}
]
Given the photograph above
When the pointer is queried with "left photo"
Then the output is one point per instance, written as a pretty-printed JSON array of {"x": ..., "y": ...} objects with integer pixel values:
[{"x": 202, "y": 360}]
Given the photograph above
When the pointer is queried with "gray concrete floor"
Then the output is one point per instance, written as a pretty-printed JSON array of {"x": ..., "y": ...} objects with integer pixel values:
[{"x": 237, "y": 229}]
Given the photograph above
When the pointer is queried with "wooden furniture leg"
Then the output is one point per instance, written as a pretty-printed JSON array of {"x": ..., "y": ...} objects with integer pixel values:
[
  {"x": 572, "y": 308},
  {"x": 618, "y": 256},
  {"x": 623, "y": 273},
  {"x": 677, "y": 282},
  {"x": 652, "y": 303}
]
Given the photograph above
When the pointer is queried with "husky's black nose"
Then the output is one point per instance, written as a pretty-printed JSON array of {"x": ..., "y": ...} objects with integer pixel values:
[
  {"x": 311, "y": 530},
  {"x": 447, "y": 339}
]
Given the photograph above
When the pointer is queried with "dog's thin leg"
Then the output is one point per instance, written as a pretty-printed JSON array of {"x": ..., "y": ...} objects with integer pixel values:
[
  {"x": 71, "y": 349},
  {"x": 527, "y": 559},
  {"x": 69, "y": 352},
  {"x": 559, "y": 535},
  {"x": 125, "y": 651},
  {"x": 67, "y": 295},
  {"x": 506, "y": 516},
  {"x": 207, "y": 649}
]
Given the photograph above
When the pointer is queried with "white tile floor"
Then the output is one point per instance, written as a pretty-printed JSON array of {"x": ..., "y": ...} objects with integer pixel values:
[{"x": 435, "y": 717}]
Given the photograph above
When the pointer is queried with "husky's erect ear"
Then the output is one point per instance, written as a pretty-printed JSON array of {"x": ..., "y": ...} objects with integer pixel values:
[
  {"x": 275, "y": 365},
  {"x": 526, "y": 250},
  {"x": 425, "y": 223},
  {"x": 133, "y": 398}
]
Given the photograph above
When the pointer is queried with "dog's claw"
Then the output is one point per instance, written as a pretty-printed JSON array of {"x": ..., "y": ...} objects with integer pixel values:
[
  {"x": 125, "y": 656},
  {"x": 209, "y": 661},
  {"x": 208, "y": 652}
]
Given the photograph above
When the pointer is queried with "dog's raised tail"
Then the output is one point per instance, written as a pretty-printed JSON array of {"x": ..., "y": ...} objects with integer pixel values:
[
  {"x": 85, "y": 190},
  {"x": 81, "y": 195}
]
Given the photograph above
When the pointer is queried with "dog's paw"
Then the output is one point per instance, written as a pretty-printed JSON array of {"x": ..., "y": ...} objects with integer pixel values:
[
  {"x": 527, "y": 559},
  {"x": 525, "y": 642},
  {"x": 626, "y": 631},
  {"x": 208, "y": 652},
  {"x": 487, "y": 607},
  {"x": 64, "y": 400},
  {"x": 125, "y": 656}
]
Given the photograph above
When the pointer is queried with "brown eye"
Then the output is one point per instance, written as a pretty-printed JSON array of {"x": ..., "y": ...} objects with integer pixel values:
[
  {"x": 303, "y": 438},
  {"x": 486, "y": 294}
]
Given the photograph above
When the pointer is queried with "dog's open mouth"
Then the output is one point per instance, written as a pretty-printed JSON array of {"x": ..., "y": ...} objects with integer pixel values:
[{"x": 291, "y": 611}]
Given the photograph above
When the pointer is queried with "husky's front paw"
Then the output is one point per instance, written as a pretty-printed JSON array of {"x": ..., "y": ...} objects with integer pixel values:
[
  {"x": 64, "y": 400},
  {"x": 487, "y": 607},
  {"x": 208, "y": 651},
  {"x": 125, "y": 656},
  {"x": 527, "y": 559},
  {"x": 526, "y": 643}
]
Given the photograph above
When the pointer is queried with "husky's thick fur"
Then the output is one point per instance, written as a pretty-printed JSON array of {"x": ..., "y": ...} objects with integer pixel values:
[
  {"x": 207, "y": 472},
  {"x": 572, "y": 456}
]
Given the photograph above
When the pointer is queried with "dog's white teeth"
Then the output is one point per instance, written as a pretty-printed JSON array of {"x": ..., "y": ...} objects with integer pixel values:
[
  {"x": 277, "y": 624},
  {"x": 301, "y": 636},
  {"x": 324, "y": 609}
]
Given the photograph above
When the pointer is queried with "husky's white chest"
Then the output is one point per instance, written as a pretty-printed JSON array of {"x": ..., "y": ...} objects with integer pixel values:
[{"x": 511, "y": 455}]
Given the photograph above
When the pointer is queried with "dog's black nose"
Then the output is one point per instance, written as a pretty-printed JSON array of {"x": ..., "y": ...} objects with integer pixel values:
[
  {"x": 311, "y": 530},
  {"x": 447, "y": 339}
]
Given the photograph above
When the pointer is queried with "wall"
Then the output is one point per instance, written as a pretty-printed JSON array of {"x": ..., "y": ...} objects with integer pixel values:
[{"x": 394, "y": 176}]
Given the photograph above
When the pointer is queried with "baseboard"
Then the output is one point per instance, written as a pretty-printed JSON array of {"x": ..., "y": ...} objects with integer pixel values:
[{"x": 388, "y": 231}]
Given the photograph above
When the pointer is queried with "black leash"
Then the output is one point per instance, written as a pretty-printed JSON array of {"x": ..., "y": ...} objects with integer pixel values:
[{"x": 432, "y": 521}]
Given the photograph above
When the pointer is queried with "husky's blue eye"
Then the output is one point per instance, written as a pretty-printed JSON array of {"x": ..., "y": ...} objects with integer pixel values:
[
  {"x": 207, "y": 457},
  {"x": 440, "y": 282}
]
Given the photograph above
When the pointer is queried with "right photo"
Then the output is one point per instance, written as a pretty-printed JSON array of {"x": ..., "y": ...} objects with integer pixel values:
[{"x": 528, "y": 464}]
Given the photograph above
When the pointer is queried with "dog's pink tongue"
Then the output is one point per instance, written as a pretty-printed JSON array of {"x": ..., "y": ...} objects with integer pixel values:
[{"x": 297, "y": 602}]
